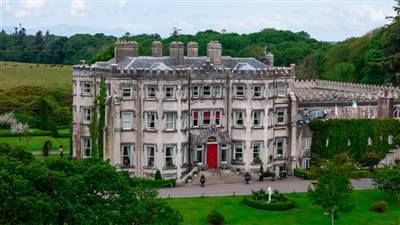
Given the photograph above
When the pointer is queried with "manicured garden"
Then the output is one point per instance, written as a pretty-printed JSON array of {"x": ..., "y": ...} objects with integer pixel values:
[
  {"x": 195, "y": 210},
  {"x": 35, "y": 144}
]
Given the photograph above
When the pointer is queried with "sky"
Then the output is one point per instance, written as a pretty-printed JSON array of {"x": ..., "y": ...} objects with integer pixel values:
[{"x": 328, "y": 20}]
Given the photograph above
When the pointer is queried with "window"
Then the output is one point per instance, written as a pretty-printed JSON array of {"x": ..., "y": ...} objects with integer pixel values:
[
  {"x": 127, "y": 155},
  {"x": 169, "y": 158},
  {"x": 150, "y": 120},
  {"x": 150, "y": 149},
  {"x": 238, "y": 118},
  {"x": 169, "y": 121},
  {"x": 238, "y": 148},
  {"x": 280, "y": 147},
  {"x": 256, "y": 152},
  {"x": 224, "y": 149},
  {"x": 217, "y": 118},
  {"x": 184, "y": 153},
  {"x": 199, "y": 154},
  {"x": 280, "y": 116},
  {"x": 151, "y": 91},
  {"x": 206, "y": 118},
  {"x": 86, "y": 147},
  {"x": 239, "y": 91},
  {"x": 195, "y": 119},
  {"x": 307, "y": 143},
  {"x": 217, "y": 91},
  {"x": 207, "y": 91},
  {"x": 396, "y": 111},
  {"x": 257, "y": 91},
  {"x": 281, "y": 90},
  {"x": 86, "y": 115},
  {"x": 126, "y": 120},
  {"x": 126, "y": 92},
  {"x": 390, "y": 139},
  {"x": 169, "y": 92},
  {"x": 87, "y": 88},
  {"x": 195, "y": 91},
  {"x": 257, "y": 116}
]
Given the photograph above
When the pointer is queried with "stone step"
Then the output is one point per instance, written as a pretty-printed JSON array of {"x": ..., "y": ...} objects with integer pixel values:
[{"x": 218, "y": 177}]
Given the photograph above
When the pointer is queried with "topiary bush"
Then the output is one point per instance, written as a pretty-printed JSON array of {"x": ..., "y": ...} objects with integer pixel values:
[
  {"x": 259, "y": 200},
  {"x": 380, "y": 206},
  {"x": 157, "y": 175},
  {"x": 215, "y": 218}
]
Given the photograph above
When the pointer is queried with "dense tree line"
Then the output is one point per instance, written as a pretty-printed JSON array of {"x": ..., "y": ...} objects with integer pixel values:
[{"x": 64, "y": 191}]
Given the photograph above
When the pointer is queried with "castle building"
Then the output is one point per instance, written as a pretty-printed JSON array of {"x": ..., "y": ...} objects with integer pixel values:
[{"x": 172, "y": 113}]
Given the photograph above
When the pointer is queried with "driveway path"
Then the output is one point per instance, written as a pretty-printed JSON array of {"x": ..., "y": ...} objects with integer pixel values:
[{"x": 290, "y": 184}]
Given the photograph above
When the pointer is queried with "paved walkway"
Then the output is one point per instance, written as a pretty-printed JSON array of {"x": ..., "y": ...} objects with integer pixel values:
[{"x": 290, "y": 184}]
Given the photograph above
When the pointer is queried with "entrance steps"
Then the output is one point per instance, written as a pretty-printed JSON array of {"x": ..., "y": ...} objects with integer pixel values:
[{"x": 218, "y": 177}]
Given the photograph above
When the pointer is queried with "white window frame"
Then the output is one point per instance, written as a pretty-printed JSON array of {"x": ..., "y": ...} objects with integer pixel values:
[
  {"x": 278, "y": 111},
  {"x": 150, "y": 91},
  {"x": 306, "y": 143},
  {"x": 126, "y": 120},
  {"x": 202, "y": 116},
  {"x": 224, "y": 150},
  {"x": 243, "y": 91},
  {"x": 260, "y": 119},
  {"x": 171, "y": 157},
  {"x": 87, "y": 115},
  {"x": 129, "y": 154},
  {"x": 255, "y": 153},
  {"x": 150, "y": 149},
  {"x": 203, "y": 92},
  {"x": 198, "y": 118},
  {"x": 220, "y": 118},
  {"x": 281, "y": 89},
  {"x": 236, "y": 153},
  {"x": 148, "y": 116},
  {"x": 280, "y": 148},
  {"x": 126, "y": 90},
  {"x": 169, "y": 124},
  {"x": 260, "y": 91},
  {"x": 184, "y": 148},
  {"x": 236, "y": 117},
  {"x": 169, "y": 92},
  {"x": 84, "y": 148},
  {"x": 217, "y": 89},
  {"x": 199, "y": 148},
  {"x": 87, "y": 90},
  {"x": 195, "y": 91}
]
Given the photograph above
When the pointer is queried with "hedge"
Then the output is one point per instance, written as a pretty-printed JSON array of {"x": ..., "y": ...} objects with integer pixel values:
[
  {"x": 152, "y": 183},
  {"x": 279, "y": 206},
  {"x": 302, "y": 173},
  {"x": 361, "y": 173},
  {"x": 35, "y": 133}
]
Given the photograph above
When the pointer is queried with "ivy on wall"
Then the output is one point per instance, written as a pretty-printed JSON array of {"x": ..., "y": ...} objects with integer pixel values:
[{"x": 330, "y": 137}]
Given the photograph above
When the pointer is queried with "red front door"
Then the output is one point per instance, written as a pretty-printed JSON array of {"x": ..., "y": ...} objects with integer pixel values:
[{"x": 212, "y": 150}]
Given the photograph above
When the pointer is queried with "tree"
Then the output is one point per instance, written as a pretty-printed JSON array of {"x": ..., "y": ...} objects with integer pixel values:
[
  {"x": 157, "y": 175},
  {"x": 43, "y": 114},
  {"x": 333, "y": 186},
  {"x": 61, "y": 191},
  {"x": 371, "y": 159},
  {"x": 388, "y": 180}
]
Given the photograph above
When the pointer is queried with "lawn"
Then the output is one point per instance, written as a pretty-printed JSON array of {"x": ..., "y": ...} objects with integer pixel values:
[
  {"x": 194, "y": 211},
  {"x": 35, "y": 144},
  {"x": 13, "y": 74}
]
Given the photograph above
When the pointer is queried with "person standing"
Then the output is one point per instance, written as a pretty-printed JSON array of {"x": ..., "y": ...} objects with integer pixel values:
[{"x": 61, "y": 151}]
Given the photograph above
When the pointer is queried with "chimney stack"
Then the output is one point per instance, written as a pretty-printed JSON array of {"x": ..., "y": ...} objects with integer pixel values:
[
  {"x": 125, "y": 49},
  {"x": 214, "y": 52},
  {"x": 176, "y": 52},
  {"x": 192, "y": 49},
  {"x": 156, "y": 49},
  {"x": 269, "y": 58}
]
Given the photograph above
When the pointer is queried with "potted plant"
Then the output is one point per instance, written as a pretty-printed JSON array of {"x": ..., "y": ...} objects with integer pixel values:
[
  {"x": 247, "y": 177},
  {"x": 189, "y": 179},
  {"x": 237, "y": 171}
]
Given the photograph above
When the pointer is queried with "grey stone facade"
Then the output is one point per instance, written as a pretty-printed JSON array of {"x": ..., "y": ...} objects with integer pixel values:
[{"x": 170, "y": 112}]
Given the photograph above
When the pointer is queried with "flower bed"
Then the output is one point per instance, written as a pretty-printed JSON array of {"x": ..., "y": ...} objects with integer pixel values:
[{"x": 259, "y": 200}]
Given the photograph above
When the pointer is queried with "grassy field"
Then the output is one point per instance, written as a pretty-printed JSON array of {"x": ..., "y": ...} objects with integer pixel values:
[
  {"x": 194, "y": 211},
  {"x": 14, "y": 74},
  {"x": 35, "y": 144}
]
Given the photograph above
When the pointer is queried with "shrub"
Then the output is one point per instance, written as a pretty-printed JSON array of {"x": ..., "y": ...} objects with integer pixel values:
[
  {"x": 268, "y": 173},
  {"x": 135, "y": 182},
  {"x": 360, "y": 173},
  {"x": 302, "y": 173},
  {"x": 157, "y": 176},
  {"x": 215, "y": 218},
  {"x": 380, "y": 206},
  {"x": 263, "y": 205}
]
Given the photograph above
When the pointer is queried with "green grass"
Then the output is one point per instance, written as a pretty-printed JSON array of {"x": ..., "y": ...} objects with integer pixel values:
[
  {"x": 35, "y": 144},
  {"x": 194, "y": 211},
  {"x": 13, "y": 74}
]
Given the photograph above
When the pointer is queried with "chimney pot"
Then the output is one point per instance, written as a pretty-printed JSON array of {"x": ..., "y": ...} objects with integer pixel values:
[
  {"x": 176, "y": 53},
  {"x": 214, "y": 52},
  {"x": 125, "y": 49},
  {"x": 192, "y": 49},
  {"x": 156, "y": 49}
]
